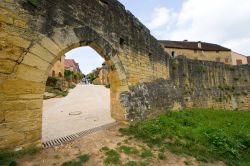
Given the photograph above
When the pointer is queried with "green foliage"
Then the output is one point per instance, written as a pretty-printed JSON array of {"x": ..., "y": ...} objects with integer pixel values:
[
  {"x": 9, "y": 158},
  {"x": 68, "y": 73},
  {"x": 112, "y": 157},
  {"x": 236, "y": 79},
  {"x": 34, "y": 2},
  {"x": 131, "y": 163},
  {"x": 57, "y": 92},
  {"x": 146, "y": 153},
  {"x": 134, "y": 163},
  {"x": 201, "y": 69},
  {"x": 128, "y": 150},
  {"x": 91, "y": 77},
  {"x": 208, "y": 135},
  {"x": 79, "y": 161},
  {"x": 162, "y": 156},
  {"x": 52, "y": 81}
]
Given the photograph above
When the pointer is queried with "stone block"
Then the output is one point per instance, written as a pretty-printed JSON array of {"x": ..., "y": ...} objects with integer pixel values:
[
  {"x": 19, "y": 86},
  {"x": 7, "y": 66},
  {"x": 51, "y": 46},
  {"x": 35, "y": 61},
  {"x": 13, "y": 106},
  {"x": 34, "y": 135},
  {"x": 10, "y": 138},
  {"x": 6, "y": 19},
  {"x": 34, "y": 104},
  {"x": 1, "y": 116},
  {"x": 18, "y": 41},
  {"x": 20, "y": 23},
  {"x": 42, "y": 53},
  {"x": 30, "y": 73},
  {"x": 22, "y": 115},
  {"x": 25, "y": 126}
]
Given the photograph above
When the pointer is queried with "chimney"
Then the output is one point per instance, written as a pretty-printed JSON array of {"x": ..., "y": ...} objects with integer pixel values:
[{"x": 199, "y": 44}]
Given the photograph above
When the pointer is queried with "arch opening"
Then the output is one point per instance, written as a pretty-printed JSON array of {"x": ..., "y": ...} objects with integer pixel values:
[{"x": 85, "y": 100}]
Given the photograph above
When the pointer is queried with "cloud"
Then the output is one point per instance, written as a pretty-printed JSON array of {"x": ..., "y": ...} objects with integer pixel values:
[
  {"x": 160, "y": 17},
  {"x": 226, "y": 22}
]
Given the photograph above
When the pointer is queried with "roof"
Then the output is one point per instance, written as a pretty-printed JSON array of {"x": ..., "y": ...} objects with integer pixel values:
[
  {"x": 193, "y": 45},
  {"x": 68, "y": 63}
]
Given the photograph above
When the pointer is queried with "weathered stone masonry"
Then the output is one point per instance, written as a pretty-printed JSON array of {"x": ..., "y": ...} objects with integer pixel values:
[
  {"x": 33, "y": 34},
  {"x": 192, "y": 84}
]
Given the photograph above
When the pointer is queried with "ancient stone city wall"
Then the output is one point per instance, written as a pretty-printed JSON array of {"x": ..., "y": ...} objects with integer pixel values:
[{"x": 33, "y": 34}]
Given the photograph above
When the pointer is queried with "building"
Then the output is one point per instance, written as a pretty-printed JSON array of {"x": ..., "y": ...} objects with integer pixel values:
[
  {"x": 248, "y": 60},
  {"x": 238, "y": 59},
  {"x": 102, "y": 75},
  {"x": 71, "y": 65},
  {"x": 58, "y": 68},
  {"x": 203, "y": 51}
]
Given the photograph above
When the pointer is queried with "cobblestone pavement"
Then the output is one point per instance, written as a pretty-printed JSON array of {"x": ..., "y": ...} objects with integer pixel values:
[{"x": 91, "y": 101}]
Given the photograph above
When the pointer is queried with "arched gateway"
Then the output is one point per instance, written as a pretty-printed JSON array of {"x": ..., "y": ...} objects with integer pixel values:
[{"x": 34, "y": 33}]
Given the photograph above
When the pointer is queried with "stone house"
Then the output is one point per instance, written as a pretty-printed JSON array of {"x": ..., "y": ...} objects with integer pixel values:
[
  {"x": 58, "y": 68},
  {"x": 203, "y": 51},
  {"x": 102, "y": 75},
  {"x": 248, "y": 60},
  {"x": 238, "y": 59}
]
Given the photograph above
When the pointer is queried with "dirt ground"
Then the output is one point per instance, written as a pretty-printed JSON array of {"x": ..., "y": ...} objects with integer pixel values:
[{"x": 91, "y": 144}]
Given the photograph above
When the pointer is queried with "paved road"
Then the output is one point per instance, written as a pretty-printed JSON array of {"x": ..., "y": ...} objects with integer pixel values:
[{"x": 93, "y": 101}]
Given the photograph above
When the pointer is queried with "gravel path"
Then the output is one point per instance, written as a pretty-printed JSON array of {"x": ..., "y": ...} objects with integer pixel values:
[{"x": 91, "y": 101}]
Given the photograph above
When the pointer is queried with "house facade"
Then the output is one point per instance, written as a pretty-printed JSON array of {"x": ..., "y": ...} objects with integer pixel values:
[
  {"x": 58, "y": 68},
  {"x": 203, "y": 51}
]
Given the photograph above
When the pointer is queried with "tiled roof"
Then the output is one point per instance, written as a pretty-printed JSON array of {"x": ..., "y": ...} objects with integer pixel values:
[
  {"x": 68, "y": 63},
  {"x": 193, "y": 45}
]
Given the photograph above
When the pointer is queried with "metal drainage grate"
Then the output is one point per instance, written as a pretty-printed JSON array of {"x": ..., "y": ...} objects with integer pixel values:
[{"x": 60, "y": 141}]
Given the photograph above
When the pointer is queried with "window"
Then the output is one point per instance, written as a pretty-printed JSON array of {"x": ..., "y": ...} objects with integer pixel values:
[
  {"x": 53, "y": 73},
  {"x": 195, "y": 51},
  {"x": 217, "y": 59},
  {"x": 217, "y": 52},
  {"x": 226, "y": 60},
  {"x": 173, "y": 54},
  {"x": 238, "y": 61}
]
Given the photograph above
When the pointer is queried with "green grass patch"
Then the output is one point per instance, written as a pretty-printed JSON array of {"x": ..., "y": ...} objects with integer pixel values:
[
  {"x": 208, "y": 135},
  {"x": 146, "y": 153},
  {"x": 128, "y": 150},
  {"x": 162, "y": 156},
  {"x": 79, "y": 161},
  {"x": 9, "y": 158},
  {"x": 134, "y": 163},
  {"x": 112, "y": 157}
]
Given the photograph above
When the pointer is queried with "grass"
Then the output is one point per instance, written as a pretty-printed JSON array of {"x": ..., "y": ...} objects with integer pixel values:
[
  {"x": 10, "y": 158},
  {"x": 79, "y": 161},
  {"x": 112, "y": 157},
  {"x": 128, "y": 150},
  {"x": 134, "y": 163},
  {"x": 162, "y": 156},
  {"x": 208, "y": 135},
  {"x": 146, "y": 153}
]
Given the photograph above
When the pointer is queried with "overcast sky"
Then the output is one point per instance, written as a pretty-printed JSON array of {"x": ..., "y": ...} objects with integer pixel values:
[{"x": 225, "y": 22}]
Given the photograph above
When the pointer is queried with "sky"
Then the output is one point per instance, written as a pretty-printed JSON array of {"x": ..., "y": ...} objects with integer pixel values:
[{"x": 224, "y": 22}]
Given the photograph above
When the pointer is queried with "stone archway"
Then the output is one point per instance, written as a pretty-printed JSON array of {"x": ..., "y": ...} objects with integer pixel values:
[{"x": 33, "y": 34}]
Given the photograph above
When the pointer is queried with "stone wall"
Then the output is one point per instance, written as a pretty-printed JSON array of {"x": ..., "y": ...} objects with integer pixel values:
[
  {"x": 34, "y": 34},
  {"x": 192, "y": 84}
]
